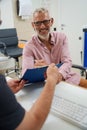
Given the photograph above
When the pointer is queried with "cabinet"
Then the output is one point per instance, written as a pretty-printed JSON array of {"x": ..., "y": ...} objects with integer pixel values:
[{"x": 85, "y": 48}]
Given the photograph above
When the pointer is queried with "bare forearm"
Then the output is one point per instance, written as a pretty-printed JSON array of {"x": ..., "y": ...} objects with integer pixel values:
[
  {"x": 40, "y": 109},
  {"x": 35, "y": 118},
  {"x": 45, "y": 99}
]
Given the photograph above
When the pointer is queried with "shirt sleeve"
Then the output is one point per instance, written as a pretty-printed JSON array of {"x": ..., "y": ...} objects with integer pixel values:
[{"x": 11, "y": 113}]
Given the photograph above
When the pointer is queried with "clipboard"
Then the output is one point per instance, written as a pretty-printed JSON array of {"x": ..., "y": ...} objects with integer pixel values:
[{"x": 36, "y": 74}]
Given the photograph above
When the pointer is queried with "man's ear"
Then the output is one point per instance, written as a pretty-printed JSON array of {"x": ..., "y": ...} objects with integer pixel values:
[
  {"x": 32, "y": 24},
  {"x": 52, "y": 21}
]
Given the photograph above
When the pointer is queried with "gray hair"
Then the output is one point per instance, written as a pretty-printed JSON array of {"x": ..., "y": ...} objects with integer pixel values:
[{"x": 40, "y": 10}]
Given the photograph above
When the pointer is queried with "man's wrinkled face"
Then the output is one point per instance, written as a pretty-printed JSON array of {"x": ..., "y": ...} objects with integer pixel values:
[{"x": 41, "y": 24}]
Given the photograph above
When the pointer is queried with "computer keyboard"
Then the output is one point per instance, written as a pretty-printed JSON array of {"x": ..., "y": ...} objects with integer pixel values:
[{"x": 70, "y": 111}]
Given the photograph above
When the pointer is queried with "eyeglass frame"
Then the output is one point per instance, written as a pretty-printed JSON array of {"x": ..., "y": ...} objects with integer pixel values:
[{"x": 45, "y": 22}]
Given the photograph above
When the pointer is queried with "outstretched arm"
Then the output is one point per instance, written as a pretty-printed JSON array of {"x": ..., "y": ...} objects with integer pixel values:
[{"x": 35, "y": 118}]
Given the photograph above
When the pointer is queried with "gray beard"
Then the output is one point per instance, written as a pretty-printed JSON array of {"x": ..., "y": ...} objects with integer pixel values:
[{"x": 44, "y": 37}]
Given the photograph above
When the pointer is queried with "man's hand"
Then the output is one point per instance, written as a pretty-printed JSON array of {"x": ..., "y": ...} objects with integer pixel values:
[
  {"x": 15, "y": 85},
  {"x": 40, "y": 63},
  {"x": 60, "y": 77}
]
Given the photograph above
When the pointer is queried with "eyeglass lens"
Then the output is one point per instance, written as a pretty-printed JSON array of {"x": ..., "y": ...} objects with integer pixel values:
[{"x": 45, "y": 22}]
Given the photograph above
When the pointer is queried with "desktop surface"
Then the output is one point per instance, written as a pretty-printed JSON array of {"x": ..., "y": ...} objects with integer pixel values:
[{"x": 29, "y": 94}]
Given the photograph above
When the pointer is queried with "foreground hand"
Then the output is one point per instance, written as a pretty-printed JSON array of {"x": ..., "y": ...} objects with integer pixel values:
[
  {"x": 52, "y": 72},
  {"x": 15, "y": 85}
]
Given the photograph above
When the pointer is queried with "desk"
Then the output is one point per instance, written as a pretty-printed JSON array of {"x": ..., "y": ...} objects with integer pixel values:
[{"x": 29, "y": 94}]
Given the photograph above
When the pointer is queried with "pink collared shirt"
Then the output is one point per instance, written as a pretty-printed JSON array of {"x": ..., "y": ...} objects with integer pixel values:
[{"x": 36, "y": 50}]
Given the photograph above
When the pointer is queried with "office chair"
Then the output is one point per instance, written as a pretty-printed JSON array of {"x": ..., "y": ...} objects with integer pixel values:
[
  {"x": 6, "y": 64},
  {"x": 9, "y": 45},
  {"x": 83, "y": 70}
]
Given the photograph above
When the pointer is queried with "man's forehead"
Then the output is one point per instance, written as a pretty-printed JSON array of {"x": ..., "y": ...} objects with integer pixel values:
[{"x": 41, "y": 16}]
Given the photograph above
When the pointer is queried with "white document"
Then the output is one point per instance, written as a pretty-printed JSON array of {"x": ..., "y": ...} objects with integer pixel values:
[{"x": 25, "y": 8}]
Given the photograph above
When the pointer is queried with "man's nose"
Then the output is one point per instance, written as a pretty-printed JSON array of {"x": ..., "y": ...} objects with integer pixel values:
[{"x": 42, "y": 25}]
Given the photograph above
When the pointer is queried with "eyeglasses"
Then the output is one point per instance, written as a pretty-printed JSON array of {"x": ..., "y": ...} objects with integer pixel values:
[
  {"x": 45, "y": 22},
  {"x": 0, "y": 22}
]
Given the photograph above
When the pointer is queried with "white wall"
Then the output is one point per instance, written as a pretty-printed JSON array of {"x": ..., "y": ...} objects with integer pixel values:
[
  {"x": 7, "y": 11},
  {"x": 6, "y": 14},
  {"x": 72, "y": 16}
]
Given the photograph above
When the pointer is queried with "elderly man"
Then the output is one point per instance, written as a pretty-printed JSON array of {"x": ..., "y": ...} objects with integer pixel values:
[{"x": 48, "y": 47}]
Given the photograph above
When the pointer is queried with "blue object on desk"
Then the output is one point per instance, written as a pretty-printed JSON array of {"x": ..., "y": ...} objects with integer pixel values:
[
  {"x": 85, "y": 48},
  {"x": 36, "y": 74}
]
